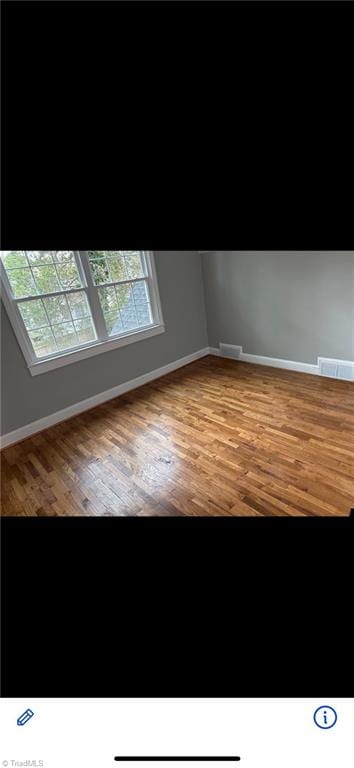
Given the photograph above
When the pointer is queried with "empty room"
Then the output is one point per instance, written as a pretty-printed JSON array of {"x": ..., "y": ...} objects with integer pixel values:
[{"x": 169, "y": 383}]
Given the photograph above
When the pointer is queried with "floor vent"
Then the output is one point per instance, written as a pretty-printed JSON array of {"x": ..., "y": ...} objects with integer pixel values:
[
  {"x": 336, "y": 369},
  {"x": 229, "y": 350}
]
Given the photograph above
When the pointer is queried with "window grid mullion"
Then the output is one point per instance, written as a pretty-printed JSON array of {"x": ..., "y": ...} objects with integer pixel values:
[
  {"x": 109, "y": 267},
  {"x": 91, "y": 291},
  {"x": 72, "y": 321},
  {"x": 136, "y": 309},
  {"x": 145, "y": 278},
  {"x": 57, "y": 273},
  {"x": 93, "y": 298},
  {"x": 34, "y": 297},
  {"x": 50, "y": 326},
  {"x": 119, "y": 315},
  {"x": 33, "y": 278},
  {"x": 62, "y": 322}
]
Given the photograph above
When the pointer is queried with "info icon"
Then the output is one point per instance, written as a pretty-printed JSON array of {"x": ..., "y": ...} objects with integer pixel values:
[{"x": 325, "y": 717}]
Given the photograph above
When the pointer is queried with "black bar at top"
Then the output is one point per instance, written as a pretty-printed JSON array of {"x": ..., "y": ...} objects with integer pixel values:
[{"x": 223, "y": 759}]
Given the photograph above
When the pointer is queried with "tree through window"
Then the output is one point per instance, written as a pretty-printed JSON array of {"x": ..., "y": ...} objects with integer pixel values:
[{"x": 67, "y": 300}]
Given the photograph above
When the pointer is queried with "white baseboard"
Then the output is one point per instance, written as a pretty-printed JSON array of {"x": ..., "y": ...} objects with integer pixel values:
[
  {"x": 214, "y": 351},
  {"x": 84, "y": 405},
  {"x": 275, "y": 362}
]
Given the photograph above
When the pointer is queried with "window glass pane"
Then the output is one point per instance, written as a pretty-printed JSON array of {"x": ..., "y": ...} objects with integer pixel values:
[
  {"x": 39, "y": 272},
  {"x": 12, "y": 259},
  {"x": 46, "y": 279},
  {"x": 33, "y": 313},
  {"x": 127, "y": 308},
  {"x": 40, "y": 257},
  {"x": 22, "y": 283},
  {"x": 65, "y": 335},
  {"x": 114, "y": 324},
  {"x": 57, "y": 309},
  {"x": 68, "y": 276},
  {"x": 61, "y": 257},
  {"x": 108, "y": 301},
  {"x": 43, "y": 342},
  {"x": 134, "y": 265},
  {"x": 49, "y": 257},
  {"x": 117, "y": 267},
  {"x": 78, "y": 305},
  {"x": 132, "y": 301},
  {"x": 100, "y": 271},
  {"x": 141, "y": 294},
  {"x": 111, "y": 266},
  {"x": 85, "y": 330},
  {"x": 129, "y": 320},
  {"x": 143, "y": 308},
  {"x": 56, "y": 313},
  {"x": 64, "y": 320},
  {"x": 144, "y": 314},
  {"x": 124, "y": 295}
]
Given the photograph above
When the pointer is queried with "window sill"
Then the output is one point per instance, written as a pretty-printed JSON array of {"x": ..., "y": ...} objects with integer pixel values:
[{"x": 42, "y": 366}]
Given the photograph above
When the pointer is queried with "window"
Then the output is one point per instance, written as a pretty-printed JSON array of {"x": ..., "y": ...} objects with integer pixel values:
[{"x": 67, "y": 305}]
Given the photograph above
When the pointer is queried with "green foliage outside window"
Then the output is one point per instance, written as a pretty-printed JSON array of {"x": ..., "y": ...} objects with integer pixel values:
[{"x": 63, "y": 321}]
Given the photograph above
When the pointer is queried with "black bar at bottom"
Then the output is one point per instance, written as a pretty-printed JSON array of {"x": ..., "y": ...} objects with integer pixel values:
[{"x": 192, "y": 759}]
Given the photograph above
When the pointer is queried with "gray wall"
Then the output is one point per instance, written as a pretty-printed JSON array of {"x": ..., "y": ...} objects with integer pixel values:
[
  {"x": 26, "y": 398},
  {"x": 294, "y": 305}
]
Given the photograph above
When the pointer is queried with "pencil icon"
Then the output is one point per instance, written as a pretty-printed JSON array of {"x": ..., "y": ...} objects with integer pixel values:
[{"x": 25, "y": 717}]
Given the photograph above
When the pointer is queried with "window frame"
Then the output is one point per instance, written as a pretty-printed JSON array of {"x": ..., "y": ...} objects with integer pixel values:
[{"x": 104, "y": 343}]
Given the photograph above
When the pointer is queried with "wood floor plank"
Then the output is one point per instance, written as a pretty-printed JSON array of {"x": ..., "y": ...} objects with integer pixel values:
[{"x": 217, "y": 437}]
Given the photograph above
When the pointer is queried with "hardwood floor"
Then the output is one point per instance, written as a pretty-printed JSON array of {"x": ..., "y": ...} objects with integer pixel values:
[{"x": 217, "y": 437}]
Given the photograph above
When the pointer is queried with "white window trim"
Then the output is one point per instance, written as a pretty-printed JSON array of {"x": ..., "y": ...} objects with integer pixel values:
[{"x": 74, "y": 355}]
